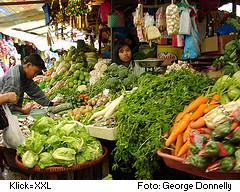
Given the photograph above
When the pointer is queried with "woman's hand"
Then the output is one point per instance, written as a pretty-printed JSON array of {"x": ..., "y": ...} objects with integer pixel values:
[{"x": 26, "y": 110}]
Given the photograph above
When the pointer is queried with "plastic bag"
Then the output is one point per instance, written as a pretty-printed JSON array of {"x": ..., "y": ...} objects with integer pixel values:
[
  {"x": 192, "y": 42},
  {"x": 185, "y": 22},
  {"x": 148, "y": 20},
  {"x": 12, "y": 135}
]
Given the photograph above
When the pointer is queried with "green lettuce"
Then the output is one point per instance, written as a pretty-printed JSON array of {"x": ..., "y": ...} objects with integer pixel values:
[
  {"x": 43, "y": 125},
  {"x": 35, "y": 142},
  {"x": 46, "y": 160},
  {"x": 64, "y": 156},
  {"x": 74, "y": 143},
  {"x": 29, "y": 159}
]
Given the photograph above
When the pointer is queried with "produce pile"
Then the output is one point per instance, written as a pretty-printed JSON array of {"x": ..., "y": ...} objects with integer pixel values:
[
  {"x": 72, "y": 70},
  {"x": 62, "y": 143},
  {"x": 228, "y": 87},
  {"x": 216, "y": 147},
  {"x": 116, "y": 78},
  {"x": 144, "y": 116},
  {"x": 230, "y": 60},
  {"x": 187, "y": 120}
]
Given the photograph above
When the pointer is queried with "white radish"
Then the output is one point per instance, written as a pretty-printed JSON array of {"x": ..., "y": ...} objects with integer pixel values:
[{"x": 113, "y": 106}]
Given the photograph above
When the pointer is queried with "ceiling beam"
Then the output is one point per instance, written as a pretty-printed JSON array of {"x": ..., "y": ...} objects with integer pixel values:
[{"x": 27, "y": 2}]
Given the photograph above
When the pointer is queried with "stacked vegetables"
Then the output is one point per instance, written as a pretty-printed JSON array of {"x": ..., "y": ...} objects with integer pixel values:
[
  {"x": 116, "y": 78},
  {"x": 228, "y": 87},
  {"x": 190, "y": 118},
  {"x": 63, "y": 143},
  {"x": 144, "y": 116},
  {"x": 217, "y": 150}
]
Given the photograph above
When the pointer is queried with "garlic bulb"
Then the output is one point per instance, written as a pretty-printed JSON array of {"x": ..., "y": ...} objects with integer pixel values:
[{"x": 172, "y": 19}]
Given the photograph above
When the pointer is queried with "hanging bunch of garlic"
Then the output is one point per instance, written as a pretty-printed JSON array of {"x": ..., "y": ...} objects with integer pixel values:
[{"x": 172, "y": 19}]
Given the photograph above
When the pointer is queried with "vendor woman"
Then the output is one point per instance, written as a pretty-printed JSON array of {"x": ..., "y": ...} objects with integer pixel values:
[{"x": 19, "y": 79}]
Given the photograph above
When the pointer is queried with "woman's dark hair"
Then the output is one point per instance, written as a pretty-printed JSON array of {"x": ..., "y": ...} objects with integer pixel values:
[
  {"x": 116, "y": 49},
  {"x": 36, "y": 60},
  {"x": 12, "y": 58}
]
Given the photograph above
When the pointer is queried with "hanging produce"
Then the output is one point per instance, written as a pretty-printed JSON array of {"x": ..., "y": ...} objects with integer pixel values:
[{"x": 172, "y": 19}]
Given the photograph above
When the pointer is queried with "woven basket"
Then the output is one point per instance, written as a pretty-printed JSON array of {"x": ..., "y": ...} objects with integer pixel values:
[{"x": 60, "y": 169}]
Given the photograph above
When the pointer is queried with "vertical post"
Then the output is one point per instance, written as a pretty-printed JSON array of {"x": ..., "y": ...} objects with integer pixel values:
[
  {"x": 234, "y": 8},
  {"x": 111, "y": 33}
]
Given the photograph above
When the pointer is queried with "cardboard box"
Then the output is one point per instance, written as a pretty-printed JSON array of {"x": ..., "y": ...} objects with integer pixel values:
[{"x": 215, "y": 44}]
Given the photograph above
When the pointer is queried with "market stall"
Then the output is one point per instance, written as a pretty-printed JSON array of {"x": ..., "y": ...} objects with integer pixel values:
[{"x": 176, "y": 114}]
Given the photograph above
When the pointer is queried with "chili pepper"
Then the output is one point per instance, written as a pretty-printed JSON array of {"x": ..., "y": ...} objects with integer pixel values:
[
  {"x": 204, "y": 130},
  {"x": 222, "y": 130},
  {"x": 224, "y": 164},
  {"x": 210, "y": 150}
]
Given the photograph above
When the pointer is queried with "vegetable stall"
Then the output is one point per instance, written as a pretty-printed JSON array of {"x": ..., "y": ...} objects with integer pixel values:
[{"x": 135, "y": 126}]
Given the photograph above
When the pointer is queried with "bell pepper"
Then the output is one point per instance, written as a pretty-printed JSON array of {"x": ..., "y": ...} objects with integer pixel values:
[
  {"x": 224, "y": 164},
  {"x": 197, "y": 161},
  {"x": 221, "y": 130},
  {"x": 210, "y": 150},
  {"x": 237, "y": 156},
  {"x": 225, "y": 149}
]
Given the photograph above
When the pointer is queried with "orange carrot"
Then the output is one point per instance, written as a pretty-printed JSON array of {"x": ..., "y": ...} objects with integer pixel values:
[
  {"x": 199, "y": 112},
  {"x": 195, "y": 104},
  {"x": 179, "y": 116},
  {"x": 166, "y": 134},
  {"x": 184, "y": 156},
  {"x": 182, "y": 125},
  {"x": 210, "y": 108},
  {"x": 179, "y": 144},
  {"x": 184, "y": 148},
  {"x": 198, "y": 123},
  {"x": 216, "y": 97},
  {"x": 186, "y": 133},
  {"x": 234, "y": 125}
]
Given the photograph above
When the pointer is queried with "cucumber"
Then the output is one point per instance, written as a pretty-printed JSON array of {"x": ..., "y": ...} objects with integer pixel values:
[{"x": 59, "y": 108}]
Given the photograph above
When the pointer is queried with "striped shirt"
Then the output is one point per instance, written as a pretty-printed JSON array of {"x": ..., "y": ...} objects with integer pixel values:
[{"x": 15, "y": 81}]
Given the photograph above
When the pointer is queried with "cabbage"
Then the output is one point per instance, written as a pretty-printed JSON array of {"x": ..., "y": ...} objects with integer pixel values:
[
  {"x": 64, "y": 156},
  {"x": 43, "y": 125},
  {"x": 35, "y": 142},
  {"x": 29, "y": 159},
  {"x": 233, "y": 93},
  {"x": 73, "y": 143},
  {"x": 222, "y": 84},
  {"x": 46, "y": 160}
]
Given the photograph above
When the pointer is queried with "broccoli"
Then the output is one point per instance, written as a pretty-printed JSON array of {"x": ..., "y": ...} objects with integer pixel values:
[
  {"x": 123, "y": 73},
  {"x": 113, "y": 84},
  {"x": 113, "y": 70},
  {"x": 130, "y": 82}
]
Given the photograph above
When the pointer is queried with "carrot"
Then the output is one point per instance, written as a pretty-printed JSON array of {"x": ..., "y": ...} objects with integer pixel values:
[
  {"x": 166, "y": 134},
  {"x": 184, "y": 156},
  {"x": 186, "y": 133},
  {"x": 184, "y": 148},
  {"x": 198, "y": 123},
  {"x": 195, "y": 104},
  {"x": 210, "y": 108},
  {"x": 216, "y": 97},
  {"x": 182, "y": 125},
  {"x": 179, "y": 116},
  {"x": 179, "y": 144},
  {"x": 234, "y": 125},
  {"x": 199, "y": 112}
]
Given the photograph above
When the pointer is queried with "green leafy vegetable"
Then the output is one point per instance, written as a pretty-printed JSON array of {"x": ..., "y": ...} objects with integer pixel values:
[{"x": 29, "y": 159}]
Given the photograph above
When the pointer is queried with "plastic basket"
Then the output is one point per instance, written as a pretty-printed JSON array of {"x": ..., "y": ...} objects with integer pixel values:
[
  {"x": 178, "y": 163},
  {"x": 102, "y": 132}
]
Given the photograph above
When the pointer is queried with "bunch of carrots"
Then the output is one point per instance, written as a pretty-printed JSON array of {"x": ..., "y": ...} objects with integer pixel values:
[{"x": 190, "y": 118}]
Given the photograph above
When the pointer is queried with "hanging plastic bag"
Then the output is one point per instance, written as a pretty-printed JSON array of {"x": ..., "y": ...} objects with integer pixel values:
[
  {"x": 148, "y": 20},
  {"x": 12, "y": 135},
  {"x": 192, "y": 42},
  {"x": 161, "y": 20},
  {"x": 185, "y": 22}
]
